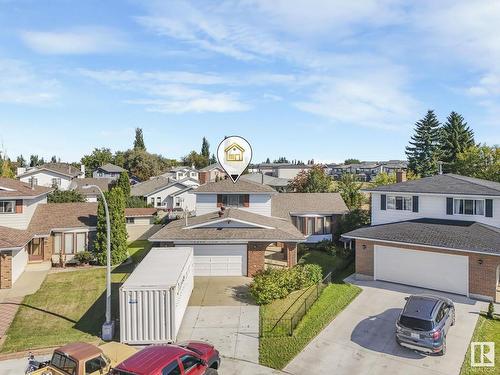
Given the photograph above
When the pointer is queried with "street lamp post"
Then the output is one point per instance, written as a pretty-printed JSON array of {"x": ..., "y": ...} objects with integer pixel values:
[{"x": 109, "y": 326}]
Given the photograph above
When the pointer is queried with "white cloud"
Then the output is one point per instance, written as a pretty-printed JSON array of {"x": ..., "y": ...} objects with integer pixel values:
[
  {"x": 172, "y": 92},
  {"x": 19, "y": 84},
  {"x": 374, "y": 101},
  {"x": 83, "y": 40}
]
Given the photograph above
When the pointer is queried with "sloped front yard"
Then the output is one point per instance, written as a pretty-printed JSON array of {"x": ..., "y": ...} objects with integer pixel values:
[
  {"x": 277, "y": 350},
  {"x": 68, "y": 307}
]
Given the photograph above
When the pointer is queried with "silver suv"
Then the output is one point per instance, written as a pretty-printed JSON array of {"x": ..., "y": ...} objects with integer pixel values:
[{"x": 424, "y": 323}]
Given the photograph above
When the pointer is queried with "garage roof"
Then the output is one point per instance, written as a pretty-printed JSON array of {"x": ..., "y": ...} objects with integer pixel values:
[
  {"x": 253, "y": 227},
  {"x": 452, "y": 234}
]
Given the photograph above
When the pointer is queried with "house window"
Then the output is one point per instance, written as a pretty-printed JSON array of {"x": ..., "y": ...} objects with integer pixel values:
[
  {"x": 399, "y": 203},
  {"x": 233, "y": 200},
  {"x": 319, "y": 225},
  {"x": 130, "y": 220},
  {"x": 468, "y": 206},
  {"x": 158, "y": 201},
  {"x": 80, "y": 242},
  {"x": 310, "y": 225},
  {"x": 34, "y": 181},
  {"x": 7, "y": 207},
  {"x": 57, "y": 243},
  {"x": 328, "y": 225},
  {"x": 152, "y": 200},
  {"x": 56, "y": 181},
  {"x": 68, "y": 243}
]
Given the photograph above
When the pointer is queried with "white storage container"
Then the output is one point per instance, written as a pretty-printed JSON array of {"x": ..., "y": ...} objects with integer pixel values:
[{"x": 154, "y": 298}]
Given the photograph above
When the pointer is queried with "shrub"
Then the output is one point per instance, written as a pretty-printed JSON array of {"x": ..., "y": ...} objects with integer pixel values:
[
  {"x": 491, "y": 310},
  {"x": 84, "y": 257},
  {"x": 273, "y": 284}
]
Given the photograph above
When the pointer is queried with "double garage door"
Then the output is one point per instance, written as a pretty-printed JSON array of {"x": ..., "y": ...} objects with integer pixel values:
[
  {"x": 220, "y": 260},
  {"x": 426, "y": 269}
]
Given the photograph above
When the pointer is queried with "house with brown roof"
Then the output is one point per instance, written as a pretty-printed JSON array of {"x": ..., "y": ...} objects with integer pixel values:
[
  {"x": 91, "y": 194},
  {"x": 57, "y": 175},
  {"x": 242, "y": 228}
]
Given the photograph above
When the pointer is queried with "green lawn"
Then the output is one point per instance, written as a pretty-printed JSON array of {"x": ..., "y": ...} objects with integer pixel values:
[
  {"x": 276, "y": 352},
  {"x": 68, "y": 307},
  {"x": 487, "y": 330}
]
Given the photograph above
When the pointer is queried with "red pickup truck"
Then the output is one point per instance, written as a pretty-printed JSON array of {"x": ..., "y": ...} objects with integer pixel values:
[{"x": 193, "y": 357}]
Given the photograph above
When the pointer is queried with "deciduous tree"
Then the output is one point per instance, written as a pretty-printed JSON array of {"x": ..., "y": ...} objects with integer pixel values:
[
  {"x": 95, "y": 159},
  {"x": 349, "y": 188},
  {"x": 479, "y": 161},
  {"x": 65, "y": 196},
  {"x": 314, "y": 180}
]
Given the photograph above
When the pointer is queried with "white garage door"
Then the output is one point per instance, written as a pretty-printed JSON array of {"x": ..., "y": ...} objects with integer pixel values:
[
  {"x": 220, "y": 260},
  {"x": 424, "y": 269}
]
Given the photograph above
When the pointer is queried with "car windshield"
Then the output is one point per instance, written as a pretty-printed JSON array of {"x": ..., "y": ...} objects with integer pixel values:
[
  {"x": 63, "y": 363},
  {"x": 415, "y": 323}
]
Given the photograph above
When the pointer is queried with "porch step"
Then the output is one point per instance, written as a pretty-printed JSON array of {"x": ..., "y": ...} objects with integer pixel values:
[{"x": 276, "y": 263}]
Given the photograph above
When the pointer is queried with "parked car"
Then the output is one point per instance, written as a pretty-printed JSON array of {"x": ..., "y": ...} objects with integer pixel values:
[
  {"x": 424, "y": 323},
  {"x": 193, "y": 357},
  {"x": 80, "y": 358}
]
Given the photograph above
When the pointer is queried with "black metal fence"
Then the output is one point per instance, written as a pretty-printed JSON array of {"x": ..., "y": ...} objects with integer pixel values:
[{"x": 288, "y": 321}]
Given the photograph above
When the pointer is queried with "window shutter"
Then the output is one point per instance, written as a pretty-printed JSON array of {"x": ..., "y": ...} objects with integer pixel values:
[
  {"x": 19, "y": 206},
  {"x": 246, "y": 200},
  {"x": 415, "y": 203},
  {"x": 383, "y": 201},
  {"x": 489, "y": 207},
  {"x": 449, "y": 206},
  {"x": 219, "y": 200}
]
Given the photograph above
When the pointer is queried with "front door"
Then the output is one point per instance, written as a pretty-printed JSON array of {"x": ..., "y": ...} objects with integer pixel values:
[{"x": 35, "y": 250}]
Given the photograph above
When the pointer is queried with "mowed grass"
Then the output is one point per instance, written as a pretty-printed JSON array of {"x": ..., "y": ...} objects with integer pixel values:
[
  {"x": 69, "y": 306},
  {"x": 487, "y": 330},
  {"x": 276, "y": 352}
]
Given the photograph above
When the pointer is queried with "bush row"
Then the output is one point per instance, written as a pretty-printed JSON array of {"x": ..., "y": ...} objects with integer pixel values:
[{"x": 273, "y": 284}]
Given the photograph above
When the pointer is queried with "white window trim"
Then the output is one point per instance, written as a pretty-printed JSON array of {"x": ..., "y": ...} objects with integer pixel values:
[
  {"x": 13, "y": 206},
  {"x": 470, "y": 199},
  {"x": 404, "y": 197}
]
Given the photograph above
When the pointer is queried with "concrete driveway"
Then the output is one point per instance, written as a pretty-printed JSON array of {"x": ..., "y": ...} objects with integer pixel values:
[
  {"x": 361, "y": 339},
  {"x": 221, "y": 312}
]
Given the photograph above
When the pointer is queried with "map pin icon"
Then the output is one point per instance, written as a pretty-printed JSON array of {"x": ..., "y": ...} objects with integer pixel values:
[{"x": 234, "y": 155}]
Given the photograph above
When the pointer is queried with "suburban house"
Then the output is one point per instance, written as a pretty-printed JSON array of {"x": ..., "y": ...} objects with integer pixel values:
[
  {"x": 278, "y": 184},
  {"x": 58, "y": 175},
  {"x": 440, "y": 232},
  {"x": 141, "y": 222},
  {"x": 182, "y": 172},
  {"x": 162, "y": 192},
  {"x": 286, "y": 171},
  {"x": 32, "y": 230},
  {"x": 211, "y": 173},
  {"x": 91, "y": 194},
  {"x": 108, "y": 171},
  {"x": 367, "y": 170},
  {"x": 242, "y": 228}
]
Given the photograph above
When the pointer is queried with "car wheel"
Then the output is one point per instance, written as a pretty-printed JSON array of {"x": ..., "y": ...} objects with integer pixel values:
[{"x": 211, "y": 371}]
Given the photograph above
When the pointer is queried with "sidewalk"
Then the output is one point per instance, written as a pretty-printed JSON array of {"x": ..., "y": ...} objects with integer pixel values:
[{"x": 10, "y": 299}]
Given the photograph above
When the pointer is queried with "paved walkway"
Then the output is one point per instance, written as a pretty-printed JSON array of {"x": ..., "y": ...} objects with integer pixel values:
[{"x": 10, "y": 299}]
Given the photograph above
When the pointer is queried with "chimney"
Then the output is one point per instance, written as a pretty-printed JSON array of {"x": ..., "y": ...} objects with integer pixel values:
[
  {"x": 221, "y": 212},
  {"x": 20, "y": 170},
  {"x": 82, "y": 169},
  {"x": 440, "y": 167},
  {"x": 400, "y": 176},
  {"x": 262, "y": 178}
]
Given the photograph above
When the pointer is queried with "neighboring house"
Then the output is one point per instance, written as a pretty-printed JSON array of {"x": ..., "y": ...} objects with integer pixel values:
[
  {"x": 241, "y": 229},
  {"x": 141, "y": 223},
  {"x": 162, "y": 192},
  {"x": 315, "y": 215},
  {"x": 211, "y": 173},
  {"x": 367, "y": 170},
  {"x": 278, "y": 184},
  {"x": 440, "y": 232},
  {"x": 32, "y": 230},
  {"x": 180, "y": 173},
  {"x": 108, "y": 171},
  {"x": 58, "y": 175},
  {"x": 91, "y": 194},
  {"x": 280, "y": 170}
]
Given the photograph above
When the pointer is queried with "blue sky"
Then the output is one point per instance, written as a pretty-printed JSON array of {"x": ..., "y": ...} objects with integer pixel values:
[{"x": 305, "y": 79}]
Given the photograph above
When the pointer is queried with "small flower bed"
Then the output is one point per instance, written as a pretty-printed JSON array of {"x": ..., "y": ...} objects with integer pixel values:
[{"x": 273, "y": 284}]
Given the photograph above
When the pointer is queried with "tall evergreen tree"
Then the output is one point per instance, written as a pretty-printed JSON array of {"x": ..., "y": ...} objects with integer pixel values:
[
  {"x": 21, "y": 161},
  {"x": 268, "y": 161},
  {"x": 455, "y": 138},
  {"x": 205, "y": 149},
  {"x": 213, "y": 159},
  {"x": 139, "y": 140},
  {"x": 423, "y": 151},
  {"x": 123, "y": 182},
  {"x": 116, "y": 206}
]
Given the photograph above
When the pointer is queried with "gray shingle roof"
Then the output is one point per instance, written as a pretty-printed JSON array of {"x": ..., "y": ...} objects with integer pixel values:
[
  {"x": 444, "y": 184},
  {"x": 227, "y": 186},
  {"x": 78, "y": 184},
  {"x": 268, "y": 180},
  {"x": 64, "y": 169},
  {"x": 281, "y": 230},
  {"x": 111, "y": 168},
  {"x": 320, "y": 203},
  {"x": 210, "y": 167},
  {"x": 453, "y": 234},
  {"x": 147, "y": 187}
]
